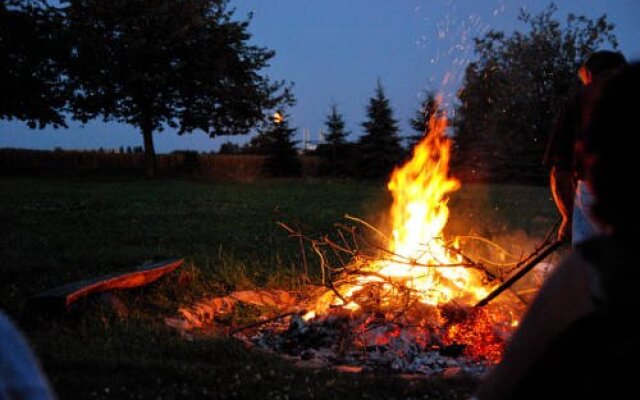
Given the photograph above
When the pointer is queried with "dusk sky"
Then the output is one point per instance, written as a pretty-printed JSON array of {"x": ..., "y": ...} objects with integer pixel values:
[{"x": 336, "y": 50}]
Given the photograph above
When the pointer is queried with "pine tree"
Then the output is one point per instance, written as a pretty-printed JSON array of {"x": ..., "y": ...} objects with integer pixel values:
[
  {"x": 336, "y": 134},
  {"x": 335, "y": 153},
  {"x": 379, "y": 149},
  {"x": 276, "y": 142},
  {"x": 420, "y": 122}
]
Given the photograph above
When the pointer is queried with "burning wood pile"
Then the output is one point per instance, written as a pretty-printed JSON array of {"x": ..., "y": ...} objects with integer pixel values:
[{"x": 406, "y": 302}]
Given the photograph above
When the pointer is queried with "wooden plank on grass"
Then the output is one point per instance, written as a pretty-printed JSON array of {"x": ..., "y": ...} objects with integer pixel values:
[{"x": 63, "y": 296}]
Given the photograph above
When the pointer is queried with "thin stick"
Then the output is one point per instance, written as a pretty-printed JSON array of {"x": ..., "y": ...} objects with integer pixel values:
[
  {"x": 315, "y": 247},
  {"x": 344, "y": 239},
  {"x": 385, "y": 250},
  {"x": 346, "y": 245},
  {"x": 414, "y": 263},
  {"x": 287, "y": 228},
  {"x": 469, "y": 260},
  {"x": 304, "y": 256},
  {"x": 489, "y": 242},
  {"x": 335, "y": 291},
  {"x": 336, "y": 245},
  {"x": 368, "y": 225}
]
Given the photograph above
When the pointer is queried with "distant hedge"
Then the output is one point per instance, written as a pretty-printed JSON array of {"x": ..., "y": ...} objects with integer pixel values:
[{"x": 69, "y": 162}]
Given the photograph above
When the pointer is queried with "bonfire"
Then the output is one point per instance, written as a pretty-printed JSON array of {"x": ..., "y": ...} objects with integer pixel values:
[{"x": 410, "y": 300}]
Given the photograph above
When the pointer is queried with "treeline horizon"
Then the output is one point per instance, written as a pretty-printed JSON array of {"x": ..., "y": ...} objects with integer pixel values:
[{"x": 189, "y": 66}]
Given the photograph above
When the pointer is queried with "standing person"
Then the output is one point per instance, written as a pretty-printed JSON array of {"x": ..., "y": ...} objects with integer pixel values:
[
  {"x": 564, "y": 153},
  {"x": 578, "y": 327}
]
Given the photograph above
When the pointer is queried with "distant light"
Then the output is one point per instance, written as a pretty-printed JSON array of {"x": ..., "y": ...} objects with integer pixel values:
[{"x": 277, "y": 117}]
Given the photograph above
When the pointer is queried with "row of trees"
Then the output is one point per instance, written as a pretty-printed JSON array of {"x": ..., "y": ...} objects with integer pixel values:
[
  {"x": 187, "y": 64},
  {"x": 379, "y": 150},
  {"x": 372, "y": 156},
  {"x": 505, "y": 111},
  {"x": 153, "y": 64}
]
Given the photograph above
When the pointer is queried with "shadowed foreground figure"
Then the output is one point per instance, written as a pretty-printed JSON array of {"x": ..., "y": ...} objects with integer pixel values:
[
  {"x": 565, "y": 155},
  {"x": 578, "y": 339},
  {"x": 20, "y": 375}
]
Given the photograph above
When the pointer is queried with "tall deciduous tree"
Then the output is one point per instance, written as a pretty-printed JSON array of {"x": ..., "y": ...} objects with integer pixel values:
[
  {"x": 513, "y": 90},
  {"x": 183, "y": 64},
  {"x": 32, "y": 58},
  {"x": 379, "y": 148}
]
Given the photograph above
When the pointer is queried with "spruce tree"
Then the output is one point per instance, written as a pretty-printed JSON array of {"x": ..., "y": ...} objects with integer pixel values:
[
  {"x": 379, "y": 149},
  {"x": 336, "y": 134},
  {"x": 420, "y": 122},
  {"x": 335, "y": 153},
  {"x": 276, "y": 141}
]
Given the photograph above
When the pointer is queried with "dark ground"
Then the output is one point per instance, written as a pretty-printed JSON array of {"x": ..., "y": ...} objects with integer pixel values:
[{"x": 57, "y": 231}]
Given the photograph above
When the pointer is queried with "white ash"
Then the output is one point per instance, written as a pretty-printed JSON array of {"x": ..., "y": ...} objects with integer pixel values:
[{"x": 329, "y": 342}]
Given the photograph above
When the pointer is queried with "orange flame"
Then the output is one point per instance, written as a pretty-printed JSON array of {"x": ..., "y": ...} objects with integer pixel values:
[
  {"x": 422, "y": 261},
  {"x": 424, "y": 269},
  {"x": 420, "y": 213}
]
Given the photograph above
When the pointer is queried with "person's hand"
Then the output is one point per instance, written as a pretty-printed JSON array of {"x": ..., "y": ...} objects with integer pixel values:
[{"x": 564, "y": 232}]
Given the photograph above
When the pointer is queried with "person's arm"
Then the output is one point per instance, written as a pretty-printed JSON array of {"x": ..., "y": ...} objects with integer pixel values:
[
  {"x": 564, "y": 298},
  {"x": 559, "y": 158},
  {"x": 563, "y": 191}
]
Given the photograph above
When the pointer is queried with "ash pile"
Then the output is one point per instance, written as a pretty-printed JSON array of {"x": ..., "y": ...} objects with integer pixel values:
[{"x": 424, "y": 340}]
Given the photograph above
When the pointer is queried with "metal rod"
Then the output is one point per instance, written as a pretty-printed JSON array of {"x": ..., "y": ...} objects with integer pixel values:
[{"x": 520, "y": 273}]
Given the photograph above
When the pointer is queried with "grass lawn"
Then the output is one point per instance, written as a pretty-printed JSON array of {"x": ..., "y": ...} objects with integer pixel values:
[{"x": 57, "y": 231}]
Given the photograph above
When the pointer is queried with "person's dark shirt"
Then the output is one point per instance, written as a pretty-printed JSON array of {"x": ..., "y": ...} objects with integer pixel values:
[{"x": 563, "y": 146}]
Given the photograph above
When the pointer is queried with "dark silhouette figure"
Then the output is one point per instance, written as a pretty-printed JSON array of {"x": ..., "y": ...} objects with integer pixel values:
[
  {"x": 564, "y": 151},
  {"x": 579, "y": 332}
]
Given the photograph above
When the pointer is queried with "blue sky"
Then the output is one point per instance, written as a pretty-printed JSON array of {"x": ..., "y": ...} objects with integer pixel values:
[{"x": 336, "y": 50}]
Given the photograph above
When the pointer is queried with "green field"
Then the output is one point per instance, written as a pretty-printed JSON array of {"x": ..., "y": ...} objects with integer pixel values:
[{"x": 57, "y": 231}]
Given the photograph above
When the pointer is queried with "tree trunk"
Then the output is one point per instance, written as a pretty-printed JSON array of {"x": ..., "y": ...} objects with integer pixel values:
[{"x": 149, "y": 151}]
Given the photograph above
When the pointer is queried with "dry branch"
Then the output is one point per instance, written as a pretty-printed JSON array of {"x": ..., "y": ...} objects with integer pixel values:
[{"x": 353, "y": 254}]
